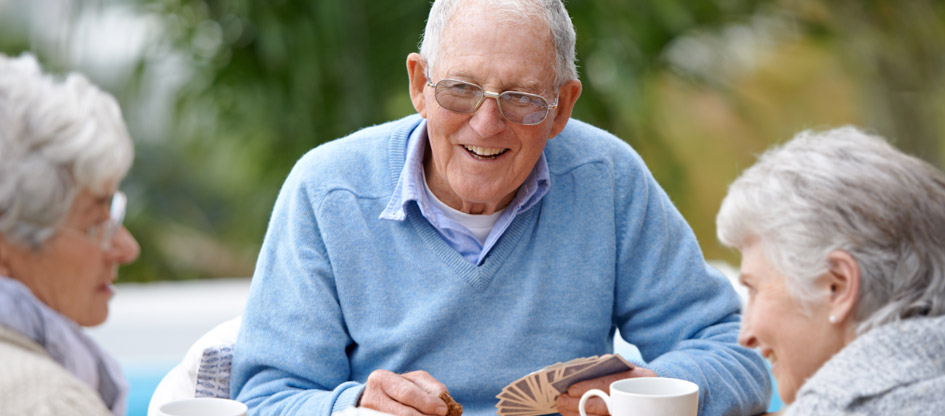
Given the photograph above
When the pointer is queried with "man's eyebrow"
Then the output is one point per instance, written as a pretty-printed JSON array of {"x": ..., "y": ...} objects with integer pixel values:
[
  {"x": 525, "y": 86},
  {"x": 460, "y": 75}
]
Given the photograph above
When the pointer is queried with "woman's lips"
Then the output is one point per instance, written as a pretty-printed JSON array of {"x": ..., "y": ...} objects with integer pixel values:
[
  {"x": 770, "y": 356},
  {"x": 106, "y": 288}
]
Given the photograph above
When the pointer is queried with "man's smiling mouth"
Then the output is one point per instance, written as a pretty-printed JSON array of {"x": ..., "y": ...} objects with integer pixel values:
[{"x": 480, "y": 152}]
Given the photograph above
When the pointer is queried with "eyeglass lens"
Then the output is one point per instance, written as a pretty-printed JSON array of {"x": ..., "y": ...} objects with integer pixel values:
[
  {"x": 116, "y": 216},
  {"x": 517, "y": 107}
]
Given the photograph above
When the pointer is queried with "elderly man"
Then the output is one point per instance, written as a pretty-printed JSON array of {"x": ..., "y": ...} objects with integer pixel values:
[{"x": 483, "y": 239}]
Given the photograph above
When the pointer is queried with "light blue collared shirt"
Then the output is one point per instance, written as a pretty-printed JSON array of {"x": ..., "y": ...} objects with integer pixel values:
[{"x": 411, "y": 186}]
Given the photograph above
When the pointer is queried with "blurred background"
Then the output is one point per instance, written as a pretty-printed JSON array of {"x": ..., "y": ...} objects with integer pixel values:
[{"x": 222, "y": 97}]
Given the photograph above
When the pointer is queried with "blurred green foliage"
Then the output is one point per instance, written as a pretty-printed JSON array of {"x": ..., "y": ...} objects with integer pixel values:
[
  {"x": 273, "y": 79},
  {"x": 696, "y": 87}
]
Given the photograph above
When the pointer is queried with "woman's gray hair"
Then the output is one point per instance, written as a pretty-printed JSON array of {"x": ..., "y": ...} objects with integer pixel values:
[
  {"x": 846, "y": 190},
  {"x": 56, "y": 137},
  {"x": 551, "y": 11}
]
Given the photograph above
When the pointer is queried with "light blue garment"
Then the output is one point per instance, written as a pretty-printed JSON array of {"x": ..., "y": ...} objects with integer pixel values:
[
  {"x": 64, "y": 341},
  {"x": 411, "y": 187},
  {"x": 339, "y": 293}
]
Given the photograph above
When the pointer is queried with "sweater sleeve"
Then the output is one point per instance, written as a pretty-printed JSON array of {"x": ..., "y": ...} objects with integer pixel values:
[
  {"x": 290, "y": 354},
  {"x": 682, "y": 314}
]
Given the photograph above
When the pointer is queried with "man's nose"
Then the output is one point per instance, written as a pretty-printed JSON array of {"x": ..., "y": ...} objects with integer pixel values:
[
  {"x": 124, "y": 248},
  {"x": 488, "y": 119}
]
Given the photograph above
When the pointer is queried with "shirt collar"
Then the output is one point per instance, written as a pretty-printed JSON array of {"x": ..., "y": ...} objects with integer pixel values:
[{"x": 410, "y": 185}]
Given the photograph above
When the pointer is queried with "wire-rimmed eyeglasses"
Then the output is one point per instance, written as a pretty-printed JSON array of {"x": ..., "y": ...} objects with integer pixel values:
[
  {"x": 517, "y": 107},
  {"x": 103, "y": 232}
]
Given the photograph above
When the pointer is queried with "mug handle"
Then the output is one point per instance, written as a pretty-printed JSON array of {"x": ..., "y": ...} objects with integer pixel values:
[{"x": 594, "y": 392}]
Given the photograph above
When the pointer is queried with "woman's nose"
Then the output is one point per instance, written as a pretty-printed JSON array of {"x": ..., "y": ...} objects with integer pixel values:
[
  {"x": 124, "y": 248},
  {"x": 746, "y": 337}
]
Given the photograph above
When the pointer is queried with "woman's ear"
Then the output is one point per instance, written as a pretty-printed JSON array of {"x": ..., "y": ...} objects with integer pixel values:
[
  {"x": 416, "y": 74},
  {"x": 843, "y": 281}
]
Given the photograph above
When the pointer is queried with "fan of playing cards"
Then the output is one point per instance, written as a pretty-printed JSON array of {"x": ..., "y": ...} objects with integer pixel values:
[{"x": 537, "y": 393}]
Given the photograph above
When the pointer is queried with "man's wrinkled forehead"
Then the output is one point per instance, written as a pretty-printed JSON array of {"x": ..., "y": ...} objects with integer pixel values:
[{"x": 456, "y": 36}]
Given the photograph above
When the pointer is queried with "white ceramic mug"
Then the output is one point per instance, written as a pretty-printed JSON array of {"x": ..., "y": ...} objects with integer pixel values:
[
  {"x": 203, "y": 406},
  {"x": 646, "y": 396}
]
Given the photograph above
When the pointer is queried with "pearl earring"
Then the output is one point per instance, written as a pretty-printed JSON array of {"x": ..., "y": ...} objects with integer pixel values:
[{"x": 832, "y": 319}]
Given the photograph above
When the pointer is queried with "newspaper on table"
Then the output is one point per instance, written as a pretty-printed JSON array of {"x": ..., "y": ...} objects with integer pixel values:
[{"x": 213, "y": 373}]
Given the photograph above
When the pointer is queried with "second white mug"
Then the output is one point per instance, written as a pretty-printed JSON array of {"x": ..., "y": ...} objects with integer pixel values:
[
  {"x": 645, "y": 396},
  {"x": 203, "y": 406}
]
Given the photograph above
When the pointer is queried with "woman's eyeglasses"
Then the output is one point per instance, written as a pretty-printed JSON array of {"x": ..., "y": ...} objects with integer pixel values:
[{"x": 103, "y": 232}]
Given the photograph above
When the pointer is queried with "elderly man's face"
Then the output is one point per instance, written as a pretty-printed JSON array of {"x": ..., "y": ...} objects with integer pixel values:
[{"x": 476, "y": 162}]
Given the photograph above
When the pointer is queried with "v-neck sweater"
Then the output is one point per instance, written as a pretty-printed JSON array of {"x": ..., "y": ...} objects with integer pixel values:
[{"x": 338, "y": 293}]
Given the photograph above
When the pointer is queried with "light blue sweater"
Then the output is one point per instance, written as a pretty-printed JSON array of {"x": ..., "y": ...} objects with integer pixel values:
[{"x": 339, "y": 293}]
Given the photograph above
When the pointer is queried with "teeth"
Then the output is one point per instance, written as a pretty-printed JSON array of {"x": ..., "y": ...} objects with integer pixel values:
[{"x": 485, "y": 151}]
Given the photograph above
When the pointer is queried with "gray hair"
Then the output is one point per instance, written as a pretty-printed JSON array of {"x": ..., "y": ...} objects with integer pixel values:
[
  {"x": 846, "y": 190},
  {"x": 552, "y": 12},
  {"x": 56, "y": 137}
]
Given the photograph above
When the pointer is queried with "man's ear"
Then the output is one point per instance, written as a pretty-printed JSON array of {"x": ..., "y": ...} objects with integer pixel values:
[
  {"x": 843, "y": 281},
  {"x": 416, "y": 73},
  {"x": 567, "y": 96}
]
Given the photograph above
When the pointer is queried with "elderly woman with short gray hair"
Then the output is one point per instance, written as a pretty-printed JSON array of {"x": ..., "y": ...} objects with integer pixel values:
[
  {"x": 64, "y": 149},
  {"x": 843, "y": 253}
]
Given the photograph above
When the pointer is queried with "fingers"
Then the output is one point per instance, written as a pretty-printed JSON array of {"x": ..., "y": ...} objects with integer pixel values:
[
  {"x": 642, "y": 372},
  {"x": 600, "y": 383},
  {"x": 432, "y": 403},
  {"x": 426, "y": 382},
  {"x": 568, "y": 406},
  {"x": 411, "y": 394},
  {"x": 603, "y": 383},
  {"x": 569, "y": 401}
]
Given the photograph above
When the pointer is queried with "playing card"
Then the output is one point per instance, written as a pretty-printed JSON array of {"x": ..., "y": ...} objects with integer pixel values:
[
  {"x": 511, "y": 395},
  {"x": 578, "y": 366},
  {"x": 605, "y": 366},
  {"x": 517, "y": 412},
  {"x": 536, "y": 393},
  {"x": 514, "y": 405},
  {"x": 523, "y": 386}
]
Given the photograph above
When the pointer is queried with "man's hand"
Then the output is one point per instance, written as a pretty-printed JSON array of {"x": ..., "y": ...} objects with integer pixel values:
[
  {"x": 568, "y": 401},
  {"x": 410, "y": 394}
]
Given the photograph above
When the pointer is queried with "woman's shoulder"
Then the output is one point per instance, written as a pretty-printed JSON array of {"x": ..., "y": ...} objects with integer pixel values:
[
  {"x": 32, "y": 383},
  {"x": 920, "y": 398},
  {"x": 883, "y": 371}
]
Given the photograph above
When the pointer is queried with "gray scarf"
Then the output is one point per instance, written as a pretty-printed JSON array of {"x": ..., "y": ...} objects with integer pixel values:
[{"x": 64, "y": 341}]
